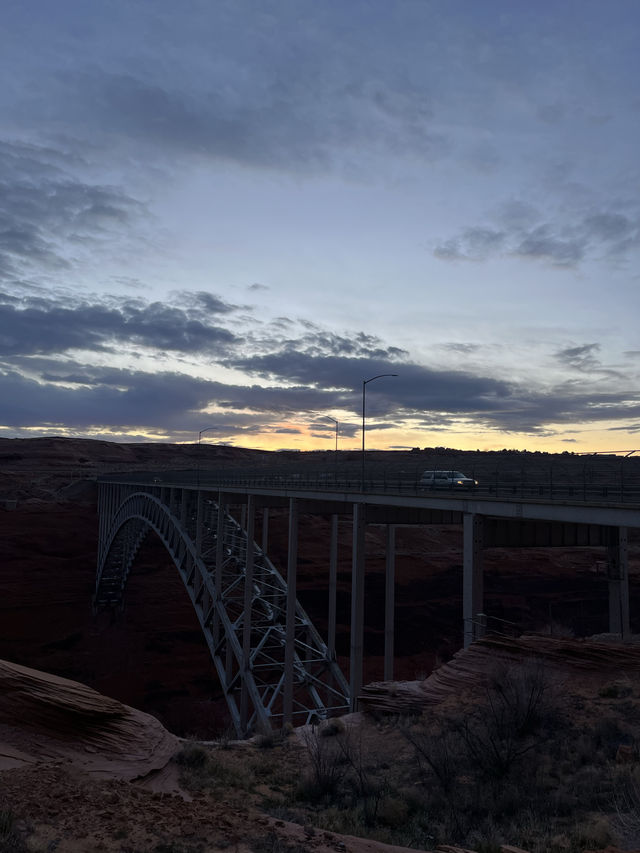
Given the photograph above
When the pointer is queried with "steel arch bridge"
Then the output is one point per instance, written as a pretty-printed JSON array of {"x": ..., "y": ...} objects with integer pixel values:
[{"x": 272, "y": 664}]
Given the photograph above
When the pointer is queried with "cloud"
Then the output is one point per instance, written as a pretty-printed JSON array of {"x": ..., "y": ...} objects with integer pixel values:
[
  {"x": 202, "y": 301},
  {"x": 462, "y": 349},
  {"x": 542, "y": 243},
  {"x": 84, "y": 398},
  {"x": 524, "y": 233},
  {"x": 416, "y": 388},
  {"x": 48, "y": 325},
  {"x": 584, "y": 359},
  {"x": 80, "y": 397},
  {"x": 256, "y": 114},
  {"x": 473, "y": 244},
  {"x": 47, "y": 214},
  {"x": 296, "y": 378},
  {"x": 580, "y": 357}
]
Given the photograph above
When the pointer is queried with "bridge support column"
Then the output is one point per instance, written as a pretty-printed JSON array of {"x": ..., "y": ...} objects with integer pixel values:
[
  {"x": 333, "y": 586},
  {"x": 222, "y": 508},
  {"x": 290, "y": 630},
  {"x": 103, "y": 523},
  {"x": 473, "y": 581},
  {"x": 265, "y": 529},
  {"x": 250, "y": 517},
  {"x": 332, "y": 612},
  {"x": 389, "y": 602},
  {"x": 618, "y": 573},
  {"x": 184, "y": 498},
  {"x": 357, "y": 603},
  {"x": 199, "y": 522}
]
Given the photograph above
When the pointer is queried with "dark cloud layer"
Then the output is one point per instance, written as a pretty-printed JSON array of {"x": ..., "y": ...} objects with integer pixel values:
[
  {"x": 79, "y": 398},
  {"x": 297, "y": 378},
  {"x": 45, "y": 326}
]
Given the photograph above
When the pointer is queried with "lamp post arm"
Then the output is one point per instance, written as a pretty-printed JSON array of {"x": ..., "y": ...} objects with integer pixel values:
[
  {"x": 364, "y": 389},
  {"x": 206, "y": 429}
]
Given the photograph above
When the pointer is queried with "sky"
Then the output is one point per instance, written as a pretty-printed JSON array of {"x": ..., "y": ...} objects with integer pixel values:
[{"x": 219, "y": 218}]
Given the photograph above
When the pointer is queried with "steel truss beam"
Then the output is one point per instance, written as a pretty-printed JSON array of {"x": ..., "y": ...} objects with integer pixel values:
[{"x": 250, "y": 663}]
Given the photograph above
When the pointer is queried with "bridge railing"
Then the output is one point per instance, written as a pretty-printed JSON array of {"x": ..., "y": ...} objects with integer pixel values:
[{"x": 626, "y": 493}]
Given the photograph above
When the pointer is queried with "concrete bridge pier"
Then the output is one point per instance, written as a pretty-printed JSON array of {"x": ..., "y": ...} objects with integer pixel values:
[
  {"x": 389, "y": 602},
  {"x": 265, "y": 530},
  {"x": 472, "y": 581},
  {"x": 618, "y": 575},
  {"x": 333, "y": 588},
  {"x": 249, "y": 519},
  {"x": 357, "y": 603},
  {"x": 219, "y": 561},
  {"x": 290, "y": 625}
]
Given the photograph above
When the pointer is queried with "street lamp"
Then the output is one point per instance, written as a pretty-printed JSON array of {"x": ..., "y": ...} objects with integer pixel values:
[
  {"x": 336, "y": 454},
  {"x": 365, "y": 382},
  {"x": 206, "y": 429},
  {"x": 336, "y": 423}
]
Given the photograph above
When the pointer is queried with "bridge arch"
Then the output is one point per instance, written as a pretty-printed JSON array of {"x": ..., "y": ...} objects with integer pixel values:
[{"x": 263, "y": 645}]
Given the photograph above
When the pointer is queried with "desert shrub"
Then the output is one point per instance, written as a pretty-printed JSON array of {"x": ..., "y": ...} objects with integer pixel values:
[
  {"x": 626, "y": 802},
  {"x": 510, "y": 722},
  {"x": 595, "y": 833},
  {"x": 615, "y": 690},
  {"x": 519, "y": 698},
  {"x": 327, "y": 768},
  {"x": 267, "y": 740},
  {"x": 226, "y": 737},
  {"x": 332, "y": 727},
  {"x": 271, "y": 843},
  {"x": 192, "y": 756},
  {"x": 468, "y": 761},
  {"x": 393, "y": 812},
  {"x": 272, "y": 739},
  {"x": 176, "y": 847},
  {"x": 340, "y": 772},
  {"x": 10, "y": 839},
  {"x": 199, "y": 768},
  {"x": 437, "y": 751},
  {"x": 608, "y": 734}
]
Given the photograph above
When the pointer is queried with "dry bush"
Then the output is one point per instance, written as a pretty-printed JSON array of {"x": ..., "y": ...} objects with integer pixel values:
[
  {"x": 327, "y": 771},
  {"x": 200, "y": 768},
  {"x": 468, "y": 761},
  {"x": 10, "y": 839}
]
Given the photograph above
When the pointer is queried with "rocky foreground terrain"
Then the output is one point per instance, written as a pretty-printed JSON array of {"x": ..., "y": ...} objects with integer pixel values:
[
  {"x": 80, "y": 772},
  {"x": 265, "y": 796}
]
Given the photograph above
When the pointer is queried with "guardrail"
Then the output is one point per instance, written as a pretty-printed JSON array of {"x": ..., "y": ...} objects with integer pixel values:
[{"x": 614, "y": 493}]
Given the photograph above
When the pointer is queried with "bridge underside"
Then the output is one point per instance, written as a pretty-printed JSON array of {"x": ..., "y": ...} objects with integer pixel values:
[{"x": 271, "y": 662}]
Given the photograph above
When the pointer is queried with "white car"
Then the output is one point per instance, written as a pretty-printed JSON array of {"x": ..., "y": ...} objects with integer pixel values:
[{"x": 446, "y": 480}]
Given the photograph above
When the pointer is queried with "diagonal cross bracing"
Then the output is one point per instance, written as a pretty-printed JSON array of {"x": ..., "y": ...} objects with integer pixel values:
[{"x": 215, "y": 577}]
